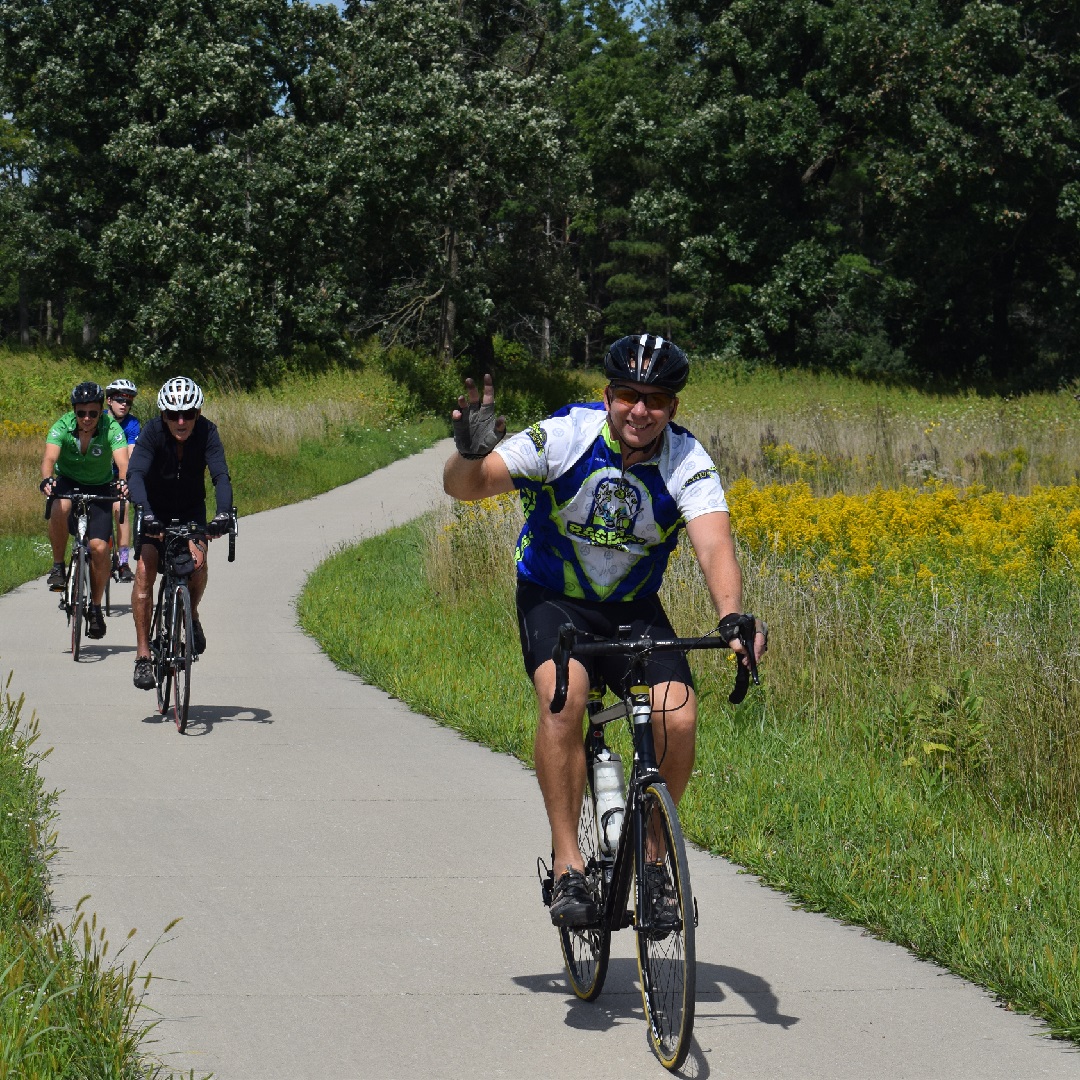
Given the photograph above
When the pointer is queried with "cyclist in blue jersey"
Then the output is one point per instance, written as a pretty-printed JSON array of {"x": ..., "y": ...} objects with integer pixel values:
[
  {"x": 119, "y": 396},
  {"x": 607, "y": 487}
]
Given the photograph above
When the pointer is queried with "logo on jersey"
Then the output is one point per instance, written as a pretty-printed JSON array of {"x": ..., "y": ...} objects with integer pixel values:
[
  {"x": 538, "y": 437},
  {"x": 703, "y": 475},
  {"x": 616, "y": 505},
  {"x": 95, "y": 451}
]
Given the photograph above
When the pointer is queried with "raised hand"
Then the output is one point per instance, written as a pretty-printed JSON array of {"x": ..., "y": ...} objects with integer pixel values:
[{"x": 477, "y": 430}]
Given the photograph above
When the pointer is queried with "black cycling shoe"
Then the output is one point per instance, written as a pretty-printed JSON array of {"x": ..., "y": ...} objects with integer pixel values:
[
  {"x": 571, "y": 902},
  {"x": 95, "y": 622},
  {"x": 144, "y": 673},
  {"x": 198, "y": 638},
  {"x": 56, "y": 577},
  {"x": 124, "y": 574},
  {"x": 662, "y": 903}
]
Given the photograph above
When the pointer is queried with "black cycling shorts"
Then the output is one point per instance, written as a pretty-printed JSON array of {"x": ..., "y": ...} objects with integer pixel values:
[
  {"x": 99, "y": 518},
  {"x": 541, "y": 612}
]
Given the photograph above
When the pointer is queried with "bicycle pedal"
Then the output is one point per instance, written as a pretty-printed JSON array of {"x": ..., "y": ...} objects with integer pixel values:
[{"x": 695, "y": 912}]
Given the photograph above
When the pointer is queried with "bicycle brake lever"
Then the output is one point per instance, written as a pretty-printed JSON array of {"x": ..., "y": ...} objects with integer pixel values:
[
  {"x": 561, "y": 655},
  {"x": 745, "y": 672}
]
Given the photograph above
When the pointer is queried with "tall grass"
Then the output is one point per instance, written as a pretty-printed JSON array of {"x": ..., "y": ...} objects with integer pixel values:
[{"x": 838, "y": 434}]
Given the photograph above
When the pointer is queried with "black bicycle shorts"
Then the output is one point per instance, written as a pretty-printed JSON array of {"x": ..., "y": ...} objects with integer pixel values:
[
  {"x": 541, "y": 612},
  {"x": 99, "y": 517}
]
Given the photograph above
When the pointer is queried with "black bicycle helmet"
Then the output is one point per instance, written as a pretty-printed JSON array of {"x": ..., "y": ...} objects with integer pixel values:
[
  {"x": 648, "y": 359},
  {"x": 86, "y": 392}
]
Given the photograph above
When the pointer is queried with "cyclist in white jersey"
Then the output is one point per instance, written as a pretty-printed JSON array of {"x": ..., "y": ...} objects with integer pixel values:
[{"x": 607, "y": 488}]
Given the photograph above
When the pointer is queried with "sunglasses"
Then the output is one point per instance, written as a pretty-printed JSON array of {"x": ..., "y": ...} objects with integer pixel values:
[
  {"x": 654, "y": 399},
  {"x": 87, "y": 414},
  {"x": 120, "y": 400},
  {"x": 181, "y": 414}
]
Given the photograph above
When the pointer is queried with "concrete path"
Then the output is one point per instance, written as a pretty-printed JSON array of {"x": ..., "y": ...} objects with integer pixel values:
[{"x": 357, "y": 884}]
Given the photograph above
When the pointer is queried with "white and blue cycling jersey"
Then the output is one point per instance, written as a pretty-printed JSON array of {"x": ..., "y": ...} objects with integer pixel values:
[{"x": 593, "y": 531}]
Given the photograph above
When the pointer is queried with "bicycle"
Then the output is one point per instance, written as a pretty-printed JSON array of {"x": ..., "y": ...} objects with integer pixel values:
[
  {"x": 75, "y": 599},
  {"x": 647, "y": 859},
  {"x": 172, "y": 646}
]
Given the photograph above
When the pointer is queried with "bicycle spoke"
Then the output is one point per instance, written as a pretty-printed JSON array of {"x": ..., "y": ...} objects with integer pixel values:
[{"x": 585, "y": 952}]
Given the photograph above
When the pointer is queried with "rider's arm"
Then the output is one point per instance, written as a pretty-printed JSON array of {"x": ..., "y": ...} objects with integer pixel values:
[
  {"x": 473, "y": 479},
  {"x": 138, "y": 466},
  {"x": 715, "y": 550},
  {"x": 219, "y": 471},
  {"x": 49, "y": 460},
  {"x": 120, "y": 457}
]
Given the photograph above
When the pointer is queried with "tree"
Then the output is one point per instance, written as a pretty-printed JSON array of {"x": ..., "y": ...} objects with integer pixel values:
[{"x": 879, "y": 185}]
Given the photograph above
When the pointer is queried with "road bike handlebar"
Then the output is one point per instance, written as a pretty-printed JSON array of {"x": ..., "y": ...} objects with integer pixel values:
[
  {"x": 189, "y": 529},
  {"x": 574, "y": 642},
  {"x": 77, "y": 494}
]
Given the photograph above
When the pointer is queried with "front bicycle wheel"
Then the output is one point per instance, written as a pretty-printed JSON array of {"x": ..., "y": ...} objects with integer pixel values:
[
  {"x": 80, "y": 597},
  {"x": 665, "y": 930},
  {"x": 585, "y": 950},
  {"x": 159, "y": 649},
  {"x": 182, "y": 653}
]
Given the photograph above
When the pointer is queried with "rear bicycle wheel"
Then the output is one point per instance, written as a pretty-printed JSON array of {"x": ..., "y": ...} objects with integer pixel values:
[
  {"x": 585, "y": 950},
  {"x": 182, "y": 654},
  {"x": 159, "y": 647},
  {"x": 665, "y": 941}
]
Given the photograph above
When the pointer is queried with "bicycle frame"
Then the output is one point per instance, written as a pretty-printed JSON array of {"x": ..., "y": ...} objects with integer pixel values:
[{"x": 618, "y": 869}]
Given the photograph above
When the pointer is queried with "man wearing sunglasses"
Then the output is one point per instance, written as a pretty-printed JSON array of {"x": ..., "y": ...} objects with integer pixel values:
[
  {"x": 167, "y": 478},
  {"x": 81, "y": 449},
  {"x": 607, "y": 488}
]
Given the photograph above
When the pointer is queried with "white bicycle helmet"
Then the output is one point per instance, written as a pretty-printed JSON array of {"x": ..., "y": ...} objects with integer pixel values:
[
  {"x": 179, "y": 394},
  {"x": 123, "y": 387}
]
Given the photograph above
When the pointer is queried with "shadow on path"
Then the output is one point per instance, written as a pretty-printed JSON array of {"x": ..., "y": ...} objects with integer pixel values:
[
  {"x": 620, "y": 1002},
  {"x": 202, "y": 719},
  {"x": 620, "y": 999}
]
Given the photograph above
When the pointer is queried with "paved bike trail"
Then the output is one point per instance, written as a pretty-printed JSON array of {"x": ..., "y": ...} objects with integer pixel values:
[{"x": 357, "y": 884}]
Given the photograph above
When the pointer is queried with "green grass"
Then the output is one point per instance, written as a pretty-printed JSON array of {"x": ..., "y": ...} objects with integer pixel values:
[
  {"x": 67, "y": 1008},
  {"x": 22, "y": 558}
]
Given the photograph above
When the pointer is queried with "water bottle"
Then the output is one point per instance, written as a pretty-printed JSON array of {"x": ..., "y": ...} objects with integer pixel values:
[{"x": 610, "y": 801}]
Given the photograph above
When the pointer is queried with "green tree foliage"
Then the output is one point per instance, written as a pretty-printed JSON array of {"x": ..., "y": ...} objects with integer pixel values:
[
  {"x": 454, "y": 135},
  {"x": 615, "y": 98},
  {"x": 878, "y": 184},
  {"x": 882, "y": 186}
]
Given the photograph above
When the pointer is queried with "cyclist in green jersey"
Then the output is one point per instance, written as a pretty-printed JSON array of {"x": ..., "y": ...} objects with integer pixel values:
[{"x": 80, "y": 451}]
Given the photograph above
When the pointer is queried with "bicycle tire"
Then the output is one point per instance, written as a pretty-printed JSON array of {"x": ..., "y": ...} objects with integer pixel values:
[
  {"x": 158, "y": 651},
  {"x": 667, "y": 965},
  {"x": 586, "y": 950},
  {"x": 80, "y": 590},
  {"x": 107, "y": 599},
  {"x": 182, "y": 652}
]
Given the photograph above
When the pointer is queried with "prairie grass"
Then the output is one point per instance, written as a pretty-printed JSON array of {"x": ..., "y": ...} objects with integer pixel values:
[{"x": 839, "y": 434}]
